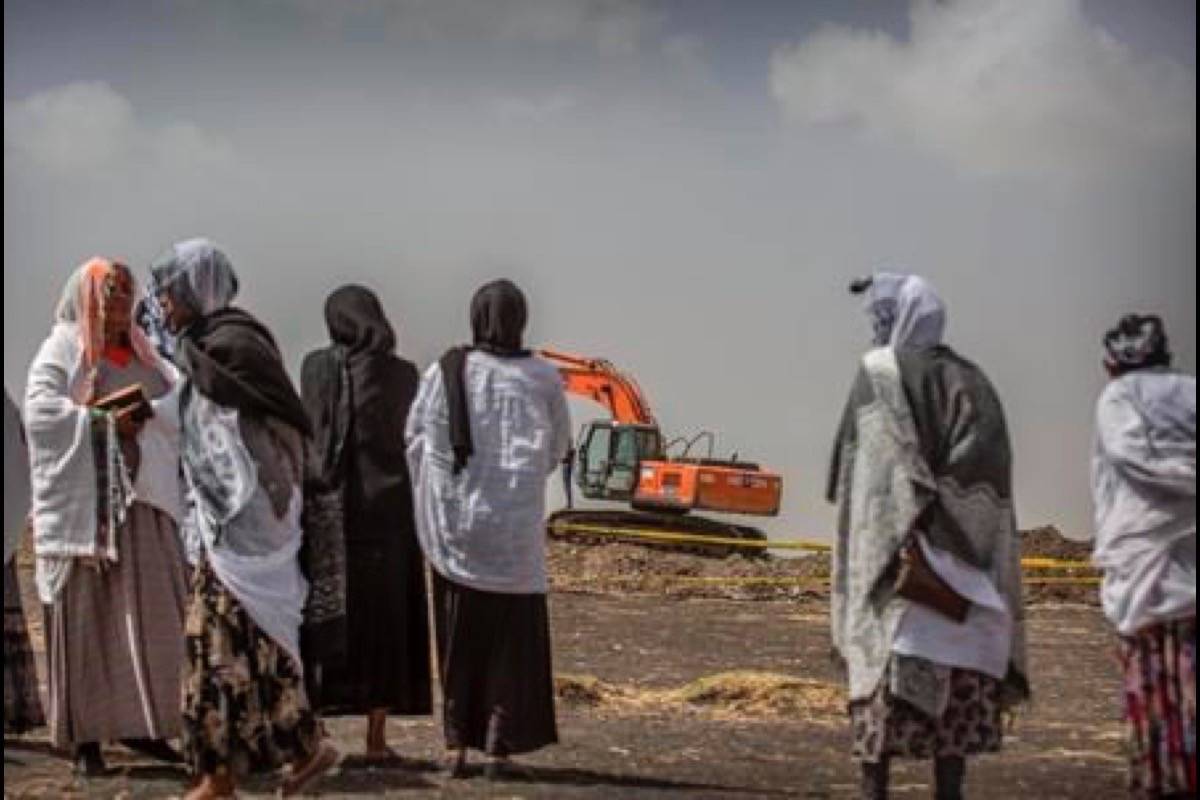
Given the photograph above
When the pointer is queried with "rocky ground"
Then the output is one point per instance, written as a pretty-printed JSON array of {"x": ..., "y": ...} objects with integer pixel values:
[{"x": 673, "y": 688}]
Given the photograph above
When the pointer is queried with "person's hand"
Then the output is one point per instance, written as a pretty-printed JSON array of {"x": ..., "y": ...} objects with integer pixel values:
[{"x": 89, "y": 400}]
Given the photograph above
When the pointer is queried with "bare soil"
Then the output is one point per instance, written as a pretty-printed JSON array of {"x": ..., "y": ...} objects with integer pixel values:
[{"x": 671, "y": 689}]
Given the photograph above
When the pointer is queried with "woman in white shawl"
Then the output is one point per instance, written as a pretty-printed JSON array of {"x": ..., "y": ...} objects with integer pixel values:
[
  {"x": 922, "y": 475},
  {"x": 106, "y": 502},
  {"x": 488, "y": 427},
  {"x": 1144, "y": 486},
  {"x": 244, "y": 704}
]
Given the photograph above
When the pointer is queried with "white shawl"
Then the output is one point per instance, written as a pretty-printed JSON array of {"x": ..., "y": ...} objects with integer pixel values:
[
  {"x": 254, "y": 553},
  {"x": 63, "y": 468},
  {"x": 485, "y": 527},
  {"x": 1144, "y": 487}
]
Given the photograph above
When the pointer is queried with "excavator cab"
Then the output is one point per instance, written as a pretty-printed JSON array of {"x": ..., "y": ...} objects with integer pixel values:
[{"x": 608, "y": 461}]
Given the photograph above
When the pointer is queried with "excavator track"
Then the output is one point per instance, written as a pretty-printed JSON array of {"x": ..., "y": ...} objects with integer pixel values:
[{"x": 600, "y": 526}]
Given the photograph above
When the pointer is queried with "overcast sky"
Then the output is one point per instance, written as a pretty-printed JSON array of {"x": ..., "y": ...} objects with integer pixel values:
[{"x": 685, "y": 188}]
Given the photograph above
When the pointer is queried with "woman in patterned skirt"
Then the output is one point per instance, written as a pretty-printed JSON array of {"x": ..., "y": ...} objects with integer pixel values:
[
  {"x": 922, "y": 476},
  {"x": 244, "y": 705},
  {"x": 1144, "y": 486}
]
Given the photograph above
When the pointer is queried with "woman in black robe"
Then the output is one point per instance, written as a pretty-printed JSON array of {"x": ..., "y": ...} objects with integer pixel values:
[{"x": 357, "y": 393}]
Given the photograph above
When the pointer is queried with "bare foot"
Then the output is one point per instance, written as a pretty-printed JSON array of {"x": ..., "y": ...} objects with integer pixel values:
[
  {"x": 303, "y": 775},
  {"x": 455, "y": 763},
  {"x": 376, "y": 753},
  {"x": 212, "y": 787}
]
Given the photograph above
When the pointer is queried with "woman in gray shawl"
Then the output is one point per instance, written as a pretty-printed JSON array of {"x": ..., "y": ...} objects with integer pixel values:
[
  {"x": 922, "y": 473},
  {"x": 244, "y": 705}
]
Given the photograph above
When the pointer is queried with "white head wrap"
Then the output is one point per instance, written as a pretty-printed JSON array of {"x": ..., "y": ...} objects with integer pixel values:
[
  {"x": 905, "y": 311},
  {"x": 197, "y": 273}
]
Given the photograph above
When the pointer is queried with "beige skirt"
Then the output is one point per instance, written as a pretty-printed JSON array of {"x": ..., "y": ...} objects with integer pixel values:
[{"x": 115, "y": 639}]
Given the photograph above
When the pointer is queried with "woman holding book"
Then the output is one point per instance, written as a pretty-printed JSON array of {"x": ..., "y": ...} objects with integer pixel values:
[
  {"x": 102, "y": 425},
  {"x": 926, "y": 601}
]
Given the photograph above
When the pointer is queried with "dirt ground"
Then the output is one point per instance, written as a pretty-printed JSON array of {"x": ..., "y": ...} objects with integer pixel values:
[{"x": 664, "y": 694}]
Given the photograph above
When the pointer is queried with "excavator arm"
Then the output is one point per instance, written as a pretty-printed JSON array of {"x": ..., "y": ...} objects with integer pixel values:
[{"x": 598, "y": 380}]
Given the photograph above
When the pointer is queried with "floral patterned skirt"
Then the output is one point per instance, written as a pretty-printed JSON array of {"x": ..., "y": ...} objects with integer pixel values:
[
  {"x": 1160, "y": 708},
  {"x": 244, "y": 707},
  {"x": 886, "y": 726}
]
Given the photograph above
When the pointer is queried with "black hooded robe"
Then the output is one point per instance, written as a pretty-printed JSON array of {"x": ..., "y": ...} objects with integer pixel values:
[{"x": 387, "y": 664}]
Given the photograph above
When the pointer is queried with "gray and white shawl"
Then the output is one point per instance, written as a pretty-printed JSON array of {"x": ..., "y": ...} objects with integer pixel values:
[{"x": 923, "y": 448}]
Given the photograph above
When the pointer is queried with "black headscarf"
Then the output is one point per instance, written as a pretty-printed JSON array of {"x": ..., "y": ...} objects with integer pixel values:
[
  {"x": 498, "y": 317},
  {"x": 338, "y": 381},
  {"x": 233, "y": 360},
  {"x": 1139, "y": 341},
  {"x": 356, "y": 321}
]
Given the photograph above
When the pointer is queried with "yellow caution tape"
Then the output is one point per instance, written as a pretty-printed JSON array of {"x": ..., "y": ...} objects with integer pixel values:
[
  {"x": 763, "y": 544},
  {"x": 678, "y": 536},
  {"x": 796, "y": 580}
]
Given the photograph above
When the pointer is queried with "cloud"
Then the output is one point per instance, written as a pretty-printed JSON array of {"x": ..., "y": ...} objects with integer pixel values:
[
  {"x": 993, "y": 87},
  {"x": 612, "y": 26},
  {"x": 88, "y": 126}
]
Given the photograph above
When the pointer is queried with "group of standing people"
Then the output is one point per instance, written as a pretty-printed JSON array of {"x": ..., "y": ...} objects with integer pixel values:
[
  {"x": 224, "y": 560},
  {"x": 927, "y": 614},
  {"x": 230, "y": 559}
]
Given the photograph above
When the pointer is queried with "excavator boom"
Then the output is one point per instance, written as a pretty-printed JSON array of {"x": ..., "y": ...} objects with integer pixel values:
[{"x": 599, "y": 380}]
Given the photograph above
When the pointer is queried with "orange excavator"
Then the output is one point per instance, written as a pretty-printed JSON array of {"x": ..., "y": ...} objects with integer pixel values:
[{"x": 626, "y": 459}]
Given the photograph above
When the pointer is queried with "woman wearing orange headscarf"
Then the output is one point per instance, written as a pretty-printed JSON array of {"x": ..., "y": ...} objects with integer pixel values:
[{"x": 106, "y": 500}]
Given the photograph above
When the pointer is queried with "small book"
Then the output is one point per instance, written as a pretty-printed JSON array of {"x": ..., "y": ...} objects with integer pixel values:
[{"x": 130, "y": 397}]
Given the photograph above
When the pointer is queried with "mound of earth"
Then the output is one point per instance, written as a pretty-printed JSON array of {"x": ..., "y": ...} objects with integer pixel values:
[
  {"x": 620, "y": 567},
  {"x": 1048, "y": 542}
]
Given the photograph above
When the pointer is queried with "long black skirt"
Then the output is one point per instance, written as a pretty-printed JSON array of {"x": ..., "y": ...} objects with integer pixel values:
[
  {"x": 387, "y": 664},
  {"x": 494, "y": 660}
]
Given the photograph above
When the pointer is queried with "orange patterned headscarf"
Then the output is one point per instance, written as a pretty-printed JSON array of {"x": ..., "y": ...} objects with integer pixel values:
[{"x": 83, "y": 303}]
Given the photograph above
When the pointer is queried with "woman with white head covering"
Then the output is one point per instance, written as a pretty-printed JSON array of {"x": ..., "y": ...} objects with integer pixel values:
[
  {"x": 488, "y": 427},
  {"x": 106, "y": 504},
  {"x": 22, "y": 706},
  {"x": 1144, "y": 488},
  {"x": 244, "y": 704},
  {"x": 926, "y": 605}
]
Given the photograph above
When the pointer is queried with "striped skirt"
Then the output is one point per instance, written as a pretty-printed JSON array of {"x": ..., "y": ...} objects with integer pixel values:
[
  {"x": 1159, "y": 665},
  {"x": 114, "y": 639}
]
